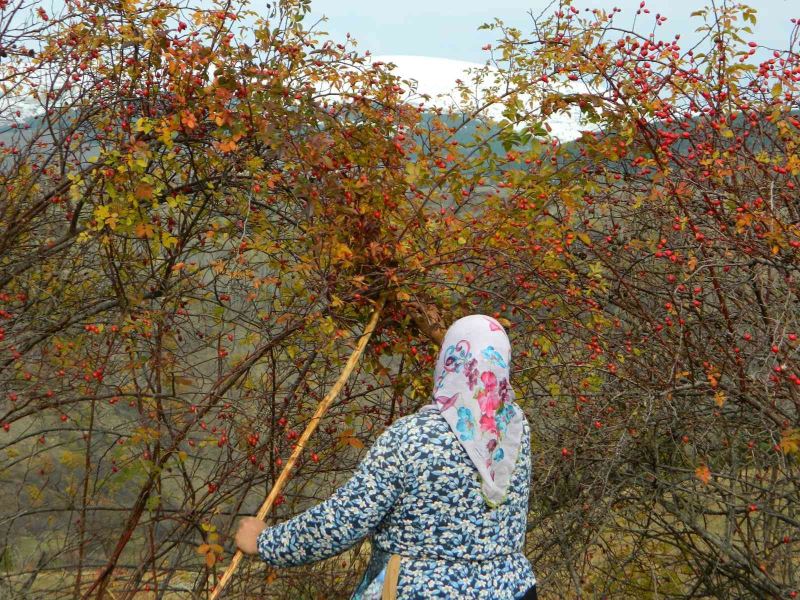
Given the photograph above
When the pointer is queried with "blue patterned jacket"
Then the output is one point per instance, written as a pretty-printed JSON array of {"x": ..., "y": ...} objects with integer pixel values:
[{"x": 418, "y": 495}]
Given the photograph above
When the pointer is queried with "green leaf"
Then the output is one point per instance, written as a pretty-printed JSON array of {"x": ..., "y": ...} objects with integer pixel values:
[
  {"x": 153, "y": 502},
  {"x": 7, "y": 560}
]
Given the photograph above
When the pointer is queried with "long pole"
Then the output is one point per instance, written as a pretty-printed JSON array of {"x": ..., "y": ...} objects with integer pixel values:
[{"x": 312, "y": 426}]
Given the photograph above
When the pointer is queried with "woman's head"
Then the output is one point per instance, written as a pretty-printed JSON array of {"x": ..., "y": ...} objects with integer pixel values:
[
  {"x": 472, "y": 390},
  {"x": 486, "y": 343}
]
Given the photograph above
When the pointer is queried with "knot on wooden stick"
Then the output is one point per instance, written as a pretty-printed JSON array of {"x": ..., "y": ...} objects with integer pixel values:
[{"x": 425, "y": 316}]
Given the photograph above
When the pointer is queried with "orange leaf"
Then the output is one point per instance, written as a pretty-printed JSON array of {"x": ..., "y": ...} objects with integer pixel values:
[
  {"x": 719, "y": 398},
  {"x": 703, "y": 473},
  {"x": 144, "y": 230},
  {"x": 144, "y": 191},
  {"x": 227, "y": 146},
  {"x": 211, "y": 558},
  {"x": 189, "y": 120},
  {"x": 712, "y": 380},
  {"x": 354, "y": 442},
  {"x": 203, "y": 549}
]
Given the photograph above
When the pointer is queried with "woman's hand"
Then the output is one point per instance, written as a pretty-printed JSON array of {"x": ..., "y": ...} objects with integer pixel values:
[{"x": 247, "y": 534}]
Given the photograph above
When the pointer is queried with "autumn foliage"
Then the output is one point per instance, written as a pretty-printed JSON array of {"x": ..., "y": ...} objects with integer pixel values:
[{"x": 196, "y": 221}]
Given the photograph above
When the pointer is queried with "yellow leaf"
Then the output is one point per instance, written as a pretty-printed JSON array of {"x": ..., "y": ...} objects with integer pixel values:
[
  {"x": 719, "y": 398},
  {"x": 70, "y": 459},
  {"x": 111, "y": 221},
  {"x": 36, "y": 495},
  {"x": 342, "y": 252},
  {"x": 142, "y": 125},
  {"x": 169, "y": 241},
  {"x": 692, "y": 263},
  {"x": 412, "y": 171},
  {"x": 166, "y": 137},
  {"x": 102, "y": 212},
  {"x": 703, "y": 473},
  {"x": 790, "y": 441}
]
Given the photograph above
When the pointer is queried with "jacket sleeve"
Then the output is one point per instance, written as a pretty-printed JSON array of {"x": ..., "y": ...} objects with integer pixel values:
[{"x": 350, "y": 514}]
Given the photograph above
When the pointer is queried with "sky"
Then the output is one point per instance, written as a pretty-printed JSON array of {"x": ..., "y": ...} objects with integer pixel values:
[{"x": 448, "y": 28}]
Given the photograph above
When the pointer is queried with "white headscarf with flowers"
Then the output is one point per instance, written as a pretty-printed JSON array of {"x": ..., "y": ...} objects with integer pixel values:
[{"x": 472, "y": 391}]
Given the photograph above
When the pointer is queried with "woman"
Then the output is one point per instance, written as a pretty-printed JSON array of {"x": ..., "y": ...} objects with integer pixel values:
[{"x": 443, "y": 492}]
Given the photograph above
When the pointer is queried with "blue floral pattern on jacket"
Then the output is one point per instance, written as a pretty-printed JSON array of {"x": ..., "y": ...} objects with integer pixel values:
[{"x": 417, "y": 493}]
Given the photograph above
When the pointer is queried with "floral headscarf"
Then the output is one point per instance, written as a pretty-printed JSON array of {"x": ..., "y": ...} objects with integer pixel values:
[{"x": 473, "y": 393}]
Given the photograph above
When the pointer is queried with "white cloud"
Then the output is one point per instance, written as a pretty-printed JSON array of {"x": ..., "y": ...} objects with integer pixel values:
[{"x": 437, "y": 77}]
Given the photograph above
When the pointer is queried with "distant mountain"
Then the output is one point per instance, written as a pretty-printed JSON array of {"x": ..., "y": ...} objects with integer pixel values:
[
  {"x": 433, "y": 76},
  {"x": 10, "y": 105}
]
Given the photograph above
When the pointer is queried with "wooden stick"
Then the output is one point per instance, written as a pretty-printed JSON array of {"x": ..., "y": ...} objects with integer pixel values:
[{"x": 321, "y": 409}]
